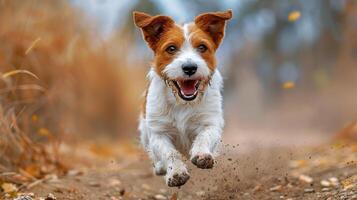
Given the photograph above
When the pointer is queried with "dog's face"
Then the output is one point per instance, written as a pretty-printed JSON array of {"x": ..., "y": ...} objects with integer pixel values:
[{"x": 184, "y": 55}]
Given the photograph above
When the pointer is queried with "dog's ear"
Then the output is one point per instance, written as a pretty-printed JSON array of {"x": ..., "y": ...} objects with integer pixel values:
[
  {"x": 214, "y": 24},
  {"x": 152, "y": 26}
]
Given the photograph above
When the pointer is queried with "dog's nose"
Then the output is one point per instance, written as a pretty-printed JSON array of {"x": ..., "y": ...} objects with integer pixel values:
[{"x": 189, "y": 68}]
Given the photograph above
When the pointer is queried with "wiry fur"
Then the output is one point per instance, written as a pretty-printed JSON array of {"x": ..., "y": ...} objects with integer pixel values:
[{"x": 172, "y": 127}]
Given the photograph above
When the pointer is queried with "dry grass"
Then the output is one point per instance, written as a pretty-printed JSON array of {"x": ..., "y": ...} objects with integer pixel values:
[{"x": 59, "y": 81}]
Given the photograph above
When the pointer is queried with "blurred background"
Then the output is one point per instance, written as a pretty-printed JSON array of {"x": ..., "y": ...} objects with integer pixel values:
[{"x": 75, "y": 70}]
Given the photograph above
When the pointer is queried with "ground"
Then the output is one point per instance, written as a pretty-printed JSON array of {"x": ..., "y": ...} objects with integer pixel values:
[{"x": 243, "y": 171}]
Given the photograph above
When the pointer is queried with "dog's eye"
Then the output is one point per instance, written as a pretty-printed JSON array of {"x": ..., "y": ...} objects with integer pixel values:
[
  {"x": 202, "y": 48},
  {"x": 171, "y": 49}
]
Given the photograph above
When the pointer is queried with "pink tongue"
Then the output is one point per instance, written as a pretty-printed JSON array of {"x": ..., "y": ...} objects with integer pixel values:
[{"x": 188, "y": 87}]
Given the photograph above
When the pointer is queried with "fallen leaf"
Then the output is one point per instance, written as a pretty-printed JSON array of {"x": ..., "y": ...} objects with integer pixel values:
[
  {"x": 288, "y": 85},
  {"x": 294, "y": 15},
  {"x": 9, "y": 188}
]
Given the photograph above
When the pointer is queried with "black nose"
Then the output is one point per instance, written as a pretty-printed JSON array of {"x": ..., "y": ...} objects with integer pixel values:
[{"x": 189, "y": 69}]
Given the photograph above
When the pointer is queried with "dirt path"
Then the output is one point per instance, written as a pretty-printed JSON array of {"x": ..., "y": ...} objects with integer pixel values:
[{"x": 326, "y": 172}]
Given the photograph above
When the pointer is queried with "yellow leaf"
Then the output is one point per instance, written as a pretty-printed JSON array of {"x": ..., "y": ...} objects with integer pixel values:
[
  {"x": 288, "y": 85},
  {"x": 34, "y": 118},
  {"x": 44, "y": 132},
  {"x": 9, "y": 188},
  {"x": 294, "y": 15}
]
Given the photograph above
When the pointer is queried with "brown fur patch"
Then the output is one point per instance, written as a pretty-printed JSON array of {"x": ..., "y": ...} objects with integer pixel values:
[
  {"x": 214, "y": 23},
  {"x": 159, "y": 32},
  {"x": 173, "y": 36},
  {"x": 152, "y": 27},
  {"x": 198, "y": 37}
]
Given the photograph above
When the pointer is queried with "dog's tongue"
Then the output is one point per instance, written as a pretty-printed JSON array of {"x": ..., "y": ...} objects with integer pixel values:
[{"x": 188, "y": 87}]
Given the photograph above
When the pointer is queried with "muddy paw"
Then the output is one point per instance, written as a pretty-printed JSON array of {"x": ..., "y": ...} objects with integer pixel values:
[
  {"x": 177, "y": 180},
  {"x": 203, "y": 161}
]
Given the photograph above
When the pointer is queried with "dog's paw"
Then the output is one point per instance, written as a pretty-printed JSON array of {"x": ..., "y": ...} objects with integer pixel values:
[
  {"x": 203, "y": 161},
  {"x": 177, "y": 179}
]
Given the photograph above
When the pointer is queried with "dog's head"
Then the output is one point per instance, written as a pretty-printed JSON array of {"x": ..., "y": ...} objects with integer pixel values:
[{"x": 184, "y": 56}]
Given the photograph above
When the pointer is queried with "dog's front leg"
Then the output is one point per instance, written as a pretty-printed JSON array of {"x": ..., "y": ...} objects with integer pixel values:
[
  {"x": 204, "y": 147},
  {"x": 164, "y": 151}
]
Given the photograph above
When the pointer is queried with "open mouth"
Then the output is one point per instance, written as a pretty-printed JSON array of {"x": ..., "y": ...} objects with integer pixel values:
[{"x": 187, "y": 89}]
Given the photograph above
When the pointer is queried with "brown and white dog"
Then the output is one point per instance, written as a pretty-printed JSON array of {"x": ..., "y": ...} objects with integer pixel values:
[{"x": 182, "y": 113}]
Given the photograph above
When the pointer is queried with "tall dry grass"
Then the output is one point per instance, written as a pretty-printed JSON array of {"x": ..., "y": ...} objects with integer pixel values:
[{"x": 85, "y": 85}]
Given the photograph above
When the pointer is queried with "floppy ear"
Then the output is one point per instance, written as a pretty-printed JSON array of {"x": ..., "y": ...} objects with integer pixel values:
[
  {"x": 214, "y": 24},
  {"x": 152, "y": 27}
]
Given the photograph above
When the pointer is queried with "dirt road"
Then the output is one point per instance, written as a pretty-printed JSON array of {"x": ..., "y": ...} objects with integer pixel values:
[{"x": 243, "y": 171}]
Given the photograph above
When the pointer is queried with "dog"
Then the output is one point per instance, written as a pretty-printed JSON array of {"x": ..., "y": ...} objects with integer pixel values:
[{"x": 182, "y": 113}]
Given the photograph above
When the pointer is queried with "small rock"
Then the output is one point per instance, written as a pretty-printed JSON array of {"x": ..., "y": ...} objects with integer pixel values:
[
  {"x": 334, "y": 181},
  {"x": 309, "y": 190},
  {"x": 305, "y": 178},
  {"x": 50, "y": 196},
  {"x": 325, "y": 183},
  {"x": 276, "y": 188},
  {"x": 200, "y": 193},
  {"x": 325, "y": 189},
  {"x": 160, "y": 197}
]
